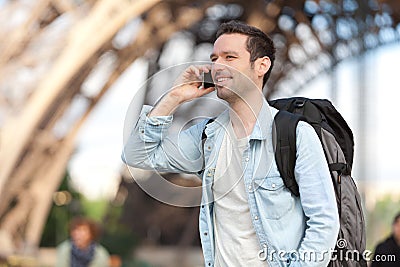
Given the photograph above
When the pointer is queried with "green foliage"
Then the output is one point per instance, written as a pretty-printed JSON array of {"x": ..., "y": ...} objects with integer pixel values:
[
  {"x": 94, "y": 209},
  {"x": 56, "y": 227},
  {"x": 117, "y": 238}
]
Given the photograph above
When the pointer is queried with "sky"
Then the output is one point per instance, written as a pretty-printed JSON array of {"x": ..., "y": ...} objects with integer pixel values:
[{"x": 96, "y": 165}]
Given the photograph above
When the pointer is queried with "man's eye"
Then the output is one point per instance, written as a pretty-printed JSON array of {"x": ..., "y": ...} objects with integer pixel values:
[
  {"x": 230, "y": 57},
  {"x": 213, "y": 59}
]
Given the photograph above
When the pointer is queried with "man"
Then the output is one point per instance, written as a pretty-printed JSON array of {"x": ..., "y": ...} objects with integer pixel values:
[
  {"x": 387, "y": 253},
  {"x": 247, "y": 216}
]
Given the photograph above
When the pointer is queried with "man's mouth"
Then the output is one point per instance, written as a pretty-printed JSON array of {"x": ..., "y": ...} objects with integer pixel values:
[{"x": 222, "y": 80}]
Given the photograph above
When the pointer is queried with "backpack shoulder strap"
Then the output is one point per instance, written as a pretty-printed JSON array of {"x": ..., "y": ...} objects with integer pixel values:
[
  {"x": 203, "y": 139},
  {"x": 203, "y": 134},
  {"x": 284, "y": 138}
]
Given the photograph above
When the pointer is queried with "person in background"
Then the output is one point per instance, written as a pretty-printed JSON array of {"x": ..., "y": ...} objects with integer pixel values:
[
  {"x": 82, "y": 250},
  {"x": 387, "y": 253}
]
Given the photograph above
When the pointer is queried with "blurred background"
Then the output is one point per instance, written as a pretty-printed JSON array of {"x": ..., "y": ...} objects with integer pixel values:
[{"x": 69, "y": 70}]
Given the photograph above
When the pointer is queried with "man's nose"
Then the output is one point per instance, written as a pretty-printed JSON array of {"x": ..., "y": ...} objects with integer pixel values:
[{"x": 217, "y": 66}]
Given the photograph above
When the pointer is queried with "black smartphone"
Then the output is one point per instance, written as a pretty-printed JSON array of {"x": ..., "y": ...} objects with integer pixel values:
[{"x": 207, "y": 80}]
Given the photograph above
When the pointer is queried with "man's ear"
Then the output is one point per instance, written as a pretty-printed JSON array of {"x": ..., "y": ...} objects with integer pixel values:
[{"x": 262, "y": 65}]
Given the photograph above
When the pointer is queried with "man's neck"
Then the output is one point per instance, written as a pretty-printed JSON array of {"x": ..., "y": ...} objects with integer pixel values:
[{"x": 244, "y": 115}]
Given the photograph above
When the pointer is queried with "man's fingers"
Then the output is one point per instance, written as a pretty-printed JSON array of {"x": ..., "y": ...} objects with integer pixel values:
[
  {"x": 197, "y": 70},
  {"x": 194, "y": 70},
  {"x": 206, "y": 91},
  {"x": 205, "y": 68},
  {"x": 193, "y": 75}
]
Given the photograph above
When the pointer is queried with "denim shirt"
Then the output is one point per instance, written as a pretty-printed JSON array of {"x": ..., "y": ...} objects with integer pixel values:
[{"x": 291, "y": 231}]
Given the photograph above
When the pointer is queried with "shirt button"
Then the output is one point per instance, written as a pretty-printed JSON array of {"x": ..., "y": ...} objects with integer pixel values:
[
  {"x": 249, "y": 187},
  {"x": 205, "y": 233},
  {"x": 247, "y": 159},
  {"x": 273, "y": 185},
  {"x": 264, "y": 245},
  {"x": 209, "y": 148},
  {"x": 255, "y": 217}
]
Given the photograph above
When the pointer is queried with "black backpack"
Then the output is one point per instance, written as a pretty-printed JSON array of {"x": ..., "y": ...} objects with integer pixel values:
[{"x": 337, "y": 141}]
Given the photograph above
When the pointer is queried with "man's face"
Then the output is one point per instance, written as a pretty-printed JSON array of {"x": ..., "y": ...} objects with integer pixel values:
[
  {"x": 232, "y": 72},
  {"x": 396, "y": 230}
]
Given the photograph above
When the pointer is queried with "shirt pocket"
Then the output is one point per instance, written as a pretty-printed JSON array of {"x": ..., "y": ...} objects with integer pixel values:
[{"x": 275, "y": 200}]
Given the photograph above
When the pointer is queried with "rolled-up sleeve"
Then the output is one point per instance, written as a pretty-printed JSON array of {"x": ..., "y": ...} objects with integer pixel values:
[{"x": 151, "y": 147}]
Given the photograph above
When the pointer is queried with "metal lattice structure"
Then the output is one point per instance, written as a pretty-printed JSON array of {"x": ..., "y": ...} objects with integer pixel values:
[{"x": 51, "y": 48}]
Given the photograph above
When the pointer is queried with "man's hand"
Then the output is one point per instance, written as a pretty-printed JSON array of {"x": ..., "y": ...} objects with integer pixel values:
[{"x": 186, "y": 88}]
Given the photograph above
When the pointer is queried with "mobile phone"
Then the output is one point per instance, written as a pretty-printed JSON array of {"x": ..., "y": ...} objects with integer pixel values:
[{"x": 207, "y": 80}]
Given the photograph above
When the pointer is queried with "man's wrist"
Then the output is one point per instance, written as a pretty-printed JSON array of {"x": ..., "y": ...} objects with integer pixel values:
[{"x": 166, "y": 106}]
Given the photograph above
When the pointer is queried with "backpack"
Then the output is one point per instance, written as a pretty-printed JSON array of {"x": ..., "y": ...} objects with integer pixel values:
[{"x": 337, "y": 141}]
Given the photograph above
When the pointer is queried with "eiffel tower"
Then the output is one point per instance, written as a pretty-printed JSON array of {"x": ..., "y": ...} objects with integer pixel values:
[{"x": 50, "y": 48}]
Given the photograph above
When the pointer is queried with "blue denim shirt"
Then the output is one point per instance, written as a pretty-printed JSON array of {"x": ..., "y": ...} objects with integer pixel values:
[{"x": 291, "y": 231}]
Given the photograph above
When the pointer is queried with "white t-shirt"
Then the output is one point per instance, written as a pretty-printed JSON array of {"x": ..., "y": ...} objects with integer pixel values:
[{"x": 236, "y": 243}]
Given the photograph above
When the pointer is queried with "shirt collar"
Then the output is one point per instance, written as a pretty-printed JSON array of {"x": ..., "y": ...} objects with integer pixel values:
[{"x": 262, "y": 128}]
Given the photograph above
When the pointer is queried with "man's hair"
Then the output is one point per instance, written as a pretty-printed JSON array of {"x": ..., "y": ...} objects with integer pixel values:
[
  {"x": 81, "y": 221},
  {"x": 396, "y": 218},
  {"x": 258, "y": 43}
]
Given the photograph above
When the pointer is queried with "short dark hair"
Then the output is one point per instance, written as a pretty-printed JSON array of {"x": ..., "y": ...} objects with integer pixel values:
[
  {"x": 258, "y": 45},
  {"x": 94, "y": 228},
  {"x": 396, "y": 218}
]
